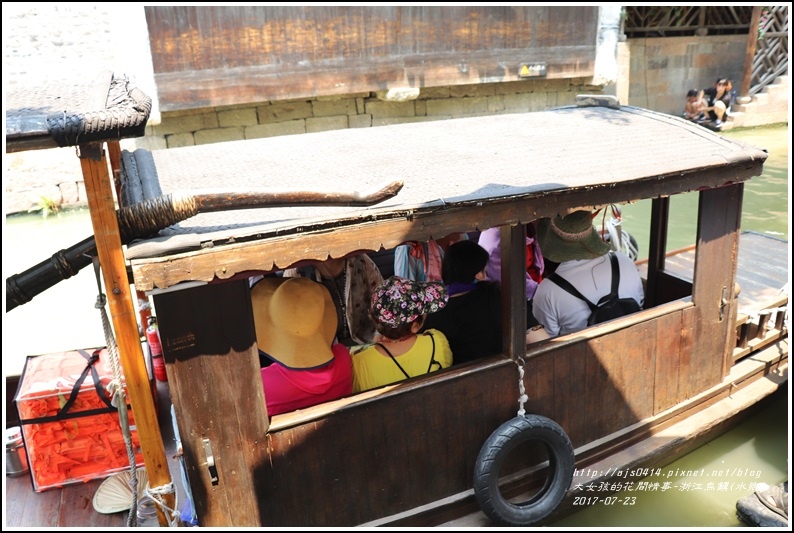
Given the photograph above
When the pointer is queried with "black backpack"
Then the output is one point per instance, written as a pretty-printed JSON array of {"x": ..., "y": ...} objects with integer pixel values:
[{"x": 608, "y": 307}]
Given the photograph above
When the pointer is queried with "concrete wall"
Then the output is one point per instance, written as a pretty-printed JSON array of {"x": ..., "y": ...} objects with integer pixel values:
[{"x": 663, "y": 69}]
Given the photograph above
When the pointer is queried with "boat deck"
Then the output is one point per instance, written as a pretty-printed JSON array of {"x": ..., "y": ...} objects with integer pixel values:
[
  {"x": 762, "y": 275},
  {"x": 72, "y": 505}
]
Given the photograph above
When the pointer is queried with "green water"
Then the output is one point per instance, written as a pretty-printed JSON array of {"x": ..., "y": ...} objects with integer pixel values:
[
  {"x": 766, "y": 204},
  {"x": 701, "y": 489}
]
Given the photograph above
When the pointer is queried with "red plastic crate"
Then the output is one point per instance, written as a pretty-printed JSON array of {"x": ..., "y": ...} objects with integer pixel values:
[{"x": 71, "y": 432}]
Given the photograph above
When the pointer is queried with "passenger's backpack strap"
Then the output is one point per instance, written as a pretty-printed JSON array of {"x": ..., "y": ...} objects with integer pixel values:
[
  {"x": 433, "y": 353},
  {"x": 615, "y": 275},
  {"x": 565, "y": 285},
  {"x": 393, "y": 359}
]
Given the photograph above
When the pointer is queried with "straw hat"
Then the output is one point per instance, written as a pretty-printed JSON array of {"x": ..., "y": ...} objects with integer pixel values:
[
  {"x": 570, "y": 237},
  {"x": 295, "y": 321},
  {"x": 401, "y": 301}
]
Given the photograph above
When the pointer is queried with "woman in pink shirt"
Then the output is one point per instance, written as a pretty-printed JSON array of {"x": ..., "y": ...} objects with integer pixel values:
[{"x": 296, "y": 322}]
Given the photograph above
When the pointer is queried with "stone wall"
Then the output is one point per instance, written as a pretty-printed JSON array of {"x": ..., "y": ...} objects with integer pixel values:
[
  {"x": 663, "y": 69},
  {"x": 363, "y": 110}
]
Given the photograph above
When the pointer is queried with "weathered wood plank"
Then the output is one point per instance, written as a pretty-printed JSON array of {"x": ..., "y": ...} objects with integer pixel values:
[
  {"x": 667, "y": 361},
  {"x": 213, "y": 365},
  {"x": 570, "y": 400},
  {"x": 282, "y": 53}
]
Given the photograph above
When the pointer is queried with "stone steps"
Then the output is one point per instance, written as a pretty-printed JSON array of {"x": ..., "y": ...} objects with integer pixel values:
[{"x": 770, "y": 106}]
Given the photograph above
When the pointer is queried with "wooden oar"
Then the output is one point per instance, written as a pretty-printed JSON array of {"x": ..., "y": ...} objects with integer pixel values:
[{"x": 147, "y": 218}]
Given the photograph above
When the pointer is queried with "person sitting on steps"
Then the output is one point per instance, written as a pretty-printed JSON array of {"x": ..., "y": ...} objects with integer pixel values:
[
  {"x": 694, "y": 108},
  {"x": 718, "y": 100}
]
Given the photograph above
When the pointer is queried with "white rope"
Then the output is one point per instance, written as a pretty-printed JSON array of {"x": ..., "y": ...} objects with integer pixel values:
[
  {"x": 118, "y": 398},
  {"x": 156, "y": 494},
  {"x": 522, "y": 397}
]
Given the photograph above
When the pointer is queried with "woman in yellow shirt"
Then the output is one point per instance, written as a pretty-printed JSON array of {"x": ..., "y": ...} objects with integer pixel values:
[{"x": 399, "y": 307}]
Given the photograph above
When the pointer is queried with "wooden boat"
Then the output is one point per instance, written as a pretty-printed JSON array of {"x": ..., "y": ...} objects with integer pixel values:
[{"x": 709, "y": 346}]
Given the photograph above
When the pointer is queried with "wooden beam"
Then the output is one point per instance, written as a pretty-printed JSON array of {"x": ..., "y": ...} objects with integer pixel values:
[
  {"x": 752, "y": 42},
  {"x": 101, "y": 206}
]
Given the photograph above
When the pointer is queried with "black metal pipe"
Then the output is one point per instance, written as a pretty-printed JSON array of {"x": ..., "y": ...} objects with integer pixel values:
[{"x": 149, "y": 217}]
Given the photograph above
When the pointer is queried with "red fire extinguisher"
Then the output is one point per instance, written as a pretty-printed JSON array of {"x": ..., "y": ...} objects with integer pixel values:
[{"x": 156, "y": 347}]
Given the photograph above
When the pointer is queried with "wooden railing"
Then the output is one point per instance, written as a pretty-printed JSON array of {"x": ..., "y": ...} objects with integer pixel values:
[
  {"x": 672, "y": 21},
  {"x": 771, "y": 54}
]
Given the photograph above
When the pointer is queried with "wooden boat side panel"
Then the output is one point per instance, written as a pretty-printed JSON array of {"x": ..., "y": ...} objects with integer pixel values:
[
  {"x": 635, "y": 371},
  {"x": 667, "y": 373},
  {"x": 592, "y": 391},
  {"x": 216, "y": 387},
  {"x": 570, "y": 397},
  {"x": 385, "y": 451},
  {"x": 719, "y": 219}
]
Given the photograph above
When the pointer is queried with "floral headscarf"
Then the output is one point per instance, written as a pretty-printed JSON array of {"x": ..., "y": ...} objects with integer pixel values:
[{"x": 402, "y": 301}]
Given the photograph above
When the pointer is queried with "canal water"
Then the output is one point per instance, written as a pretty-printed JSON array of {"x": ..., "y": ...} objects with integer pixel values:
[
  {"x": 65, "y": 317},
  {"x": 701, "y": 488}
]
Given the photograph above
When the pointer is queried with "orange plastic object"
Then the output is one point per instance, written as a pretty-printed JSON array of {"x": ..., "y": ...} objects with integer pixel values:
[{"x": 77, "y": 442}]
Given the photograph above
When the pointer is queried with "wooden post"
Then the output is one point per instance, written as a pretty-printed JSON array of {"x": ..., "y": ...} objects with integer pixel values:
[
  {"x": 749, "y": 55},
  {"x": 513, "y": 249},
  {"x": 101, "y": 206},
  {"x": 114, "y": 155}
]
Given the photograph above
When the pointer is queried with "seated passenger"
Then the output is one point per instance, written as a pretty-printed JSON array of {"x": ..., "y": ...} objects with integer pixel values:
[
  {"x": 490, "y": 241},
  {"x": 582, "y": 259},
  {"x": 421, "y": 261},
  {"x": 295, "y": 324},
  {"x": 472, "y": 319},
  {"x": 399, "y": 307},
  {"x": 351, "y": 282}
]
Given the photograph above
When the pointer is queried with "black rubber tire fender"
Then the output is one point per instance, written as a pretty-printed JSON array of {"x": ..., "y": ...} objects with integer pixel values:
[{"x": 505, "y": 439}]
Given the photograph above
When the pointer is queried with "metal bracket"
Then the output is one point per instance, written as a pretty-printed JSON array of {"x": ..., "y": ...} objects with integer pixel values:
[
  {"x": 210, "y": 461},
  {"x": 723, "y": 302}
]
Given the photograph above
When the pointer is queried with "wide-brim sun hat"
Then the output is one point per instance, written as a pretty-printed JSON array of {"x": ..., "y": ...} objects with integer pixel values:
[
  {"x": 570, "y": 237},
  {"x": 295, "y": 321},
  {"x": 401, "y": 301}
]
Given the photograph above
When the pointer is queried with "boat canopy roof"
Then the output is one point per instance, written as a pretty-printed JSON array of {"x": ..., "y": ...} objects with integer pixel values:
[
  {"x": 458, "y": 175},
  {"x": 59, "y": 112}
]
